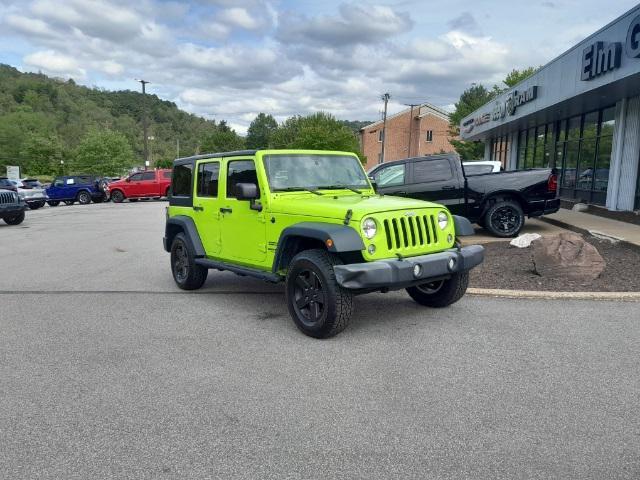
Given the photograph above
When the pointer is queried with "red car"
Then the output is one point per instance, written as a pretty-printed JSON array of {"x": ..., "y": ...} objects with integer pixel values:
[{"x": 149, "y": 184}]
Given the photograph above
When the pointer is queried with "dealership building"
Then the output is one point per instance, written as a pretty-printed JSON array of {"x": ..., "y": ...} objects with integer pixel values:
[{"x": 580, "y": 113}]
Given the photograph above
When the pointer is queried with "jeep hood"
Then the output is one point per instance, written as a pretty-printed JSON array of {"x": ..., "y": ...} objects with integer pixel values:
[{"x": 335, "y": 205}]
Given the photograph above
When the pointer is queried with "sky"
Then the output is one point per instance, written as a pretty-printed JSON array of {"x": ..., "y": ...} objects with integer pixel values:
[{"x": 231, "y": 59}]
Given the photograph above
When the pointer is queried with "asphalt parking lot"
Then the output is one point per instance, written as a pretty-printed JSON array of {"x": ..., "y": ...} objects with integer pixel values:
[{"x": 107, "y": 370}]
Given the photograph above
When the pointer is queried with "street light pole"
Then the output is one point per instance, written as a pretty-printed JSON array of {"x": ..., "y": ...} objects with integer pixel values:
[
  {"x": 385, "y": 98},
  {"x": 145, "y": 126}
]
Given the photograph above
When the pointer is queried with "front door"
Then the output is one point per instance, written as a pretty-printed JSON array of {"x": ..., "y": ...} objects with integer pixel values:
[
  {"x": 435, "y": 180},
  {"x": 132, "y": 188},
  {"x": 243, "y": 230},
  {"x": 206, "y": 205}
]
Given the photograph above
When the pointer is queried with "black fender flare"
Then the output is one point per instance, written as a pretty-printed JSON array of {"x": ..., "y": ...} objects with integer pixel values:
[
  {"x": 343, "y": 239},
  {"x": 186, "y": 225},
  {"x": 462, "y": 226}
]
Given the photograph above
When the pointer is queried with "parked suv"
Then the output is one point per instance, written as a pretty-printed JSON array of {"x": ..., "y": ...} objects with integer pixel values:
[
  {"x": 149, "y": 184},
  {"x": 311, "y": 219},
  {"x": 77, "y": 188},
  {"x": 12, "y": 207},
  {"x": 32, "y": 192}
]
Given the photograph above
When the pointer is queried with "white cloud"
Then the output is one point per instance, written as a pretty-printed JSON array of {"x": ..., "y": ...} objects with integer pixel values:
[
  {"x": 55, "y": 63},
  {"x": 239, "y": 17}
]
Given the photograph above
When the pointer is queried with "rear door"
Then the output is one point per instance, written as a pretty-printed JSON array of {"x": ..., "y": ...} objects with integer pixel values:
[
  {"x": 206, "y": 205},
  {"x": 149, "y": 186},
  {"x": 436, "y": 180}
]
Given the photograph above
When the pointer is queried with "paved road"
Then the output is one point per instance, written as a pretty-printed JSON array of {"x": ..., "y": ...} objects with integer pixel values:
[{"x": 107, "y": 371}]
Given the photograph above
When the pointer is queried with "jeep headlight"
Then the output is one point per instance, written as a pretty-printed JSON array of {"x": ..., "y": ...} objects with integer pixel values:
[
  {"x": 443, "y": 220},
  {"x": 369, "y": 228}
]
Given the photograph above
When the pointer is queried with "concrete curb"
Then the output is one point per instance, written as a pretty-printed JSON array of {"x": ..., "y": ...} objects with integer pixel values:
[
  {"x": 582, "y": 231},
  {"x": 533, "y": 294}
]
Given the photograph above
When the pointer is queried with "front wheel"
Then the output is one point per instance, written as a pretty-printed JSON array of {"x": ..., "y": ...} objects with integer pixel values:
[
  {"x": 504, "y": 219},
  {"x": 117, "y": 196},
  {"x": 15, "y": 219},
  {"x": 441, "y": 293},
  {"x": 318, "y": 306},
  {"x": 187, "y": 274},
  {"x": 84, "y": 198}
]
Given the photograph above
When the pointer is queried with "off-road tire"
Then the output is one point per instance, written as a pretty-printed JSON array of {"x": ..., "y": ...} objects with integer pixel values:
[
  {"x": 53, "y": 203},
  {"x": 84, "y": 198},
  {"x": 449, "y": 292},
  {"x": 514, "y": 214},
  {"x": 181, "y": 255},
  {"x": 69, "y": 202},
  {"x": 117, "y": 196},
  {"x": 15, "y": 219},
  {"x": 338, "y": 302}
]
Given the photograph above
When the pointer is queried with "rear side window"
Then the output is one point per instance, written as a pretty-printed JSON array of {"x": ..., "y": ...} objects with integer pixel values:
[
  {"x": 148, "y": 176},
  {"x": 182, "y": 180},
  {"x": 432, "y": 171},
  {"x": 208, "y": 174},
  {"x": 240, "y": 171}
]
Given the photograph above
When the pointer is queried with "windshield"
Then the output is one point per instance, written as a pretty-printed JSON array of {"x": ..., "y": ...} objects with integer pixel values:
[{"x": 300, "y": 171}]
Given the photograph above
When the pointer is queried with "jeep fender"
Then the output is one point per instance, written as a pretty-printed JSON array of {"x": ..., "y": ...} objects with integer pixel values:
[
  {"x": 343, "y": 239},
  {"x": 462, "y": 226},
  {"x": 184, "y": 224}
]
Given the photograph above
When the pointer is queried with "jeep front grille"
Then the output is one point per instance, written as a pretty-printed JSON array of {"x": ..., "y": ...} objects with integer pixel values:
[
  {"x": 405, "y": 232},
  {"x": 8, "y": 197}
]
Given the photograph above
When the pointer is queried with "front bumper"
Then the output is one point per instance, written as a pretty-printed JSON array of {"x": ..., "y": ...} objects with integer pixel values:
[
  {"x": 7, "y": 210},
  {"x": 397, "y": 274}
]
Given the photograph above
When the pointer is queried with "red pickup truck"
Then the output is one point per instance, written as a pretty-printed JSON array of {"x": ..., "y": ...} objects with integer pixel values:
[{"x": 149, "y": 184}]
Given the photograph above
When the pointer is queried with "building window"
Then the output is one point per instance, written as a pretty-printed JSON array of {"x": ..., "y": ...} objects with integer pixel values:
[
  {"x": 429, "y": 135},
  {"x": 380, "y": 135}
]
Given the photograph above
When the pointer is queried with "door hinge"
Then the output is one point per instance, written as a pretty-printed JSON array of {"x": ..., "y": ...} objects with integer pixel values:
[{"x": 262, "y": 247}]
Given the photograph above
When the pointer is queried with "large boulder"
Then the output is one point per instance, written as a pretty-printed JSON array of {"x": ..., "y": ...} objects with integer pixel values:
[{"x": 568, "y": 256}]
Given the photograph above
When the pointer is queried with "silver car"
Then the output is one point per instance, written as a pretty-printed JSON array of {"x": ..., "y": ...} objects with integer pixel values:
[{"x": 31, "y": 192}]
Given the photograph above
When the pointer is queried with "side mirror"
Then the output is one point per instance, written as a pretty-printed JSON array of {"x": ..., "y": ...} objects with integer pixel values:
[
  {"x": 246, "y": 191},
  {"x": 374, "y": 184},
  {"x": 249, "y": 191}
]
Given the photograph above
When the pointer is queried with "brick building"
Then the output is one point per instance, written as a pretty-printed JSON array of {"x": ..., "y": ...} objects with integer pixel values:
[{"x": 427, "y": 128}]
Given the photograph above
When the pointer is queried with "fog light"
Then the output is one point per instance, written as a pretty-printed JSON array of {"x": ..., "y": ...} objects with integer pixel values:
[
  {"x": 449, "y": 238},
  {"x": 371, "y": 249},
  {"x": 417, "y": 270},
  {"x": 451, "y": 264}
]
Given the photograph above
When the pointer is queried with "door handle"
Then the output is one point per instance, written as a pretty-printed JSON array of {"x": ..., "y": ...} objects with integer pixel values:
[
  {"x": 448, "y": 187},
  {"x": 198, "y": 208},
  {"x": 226, "y": 210}
]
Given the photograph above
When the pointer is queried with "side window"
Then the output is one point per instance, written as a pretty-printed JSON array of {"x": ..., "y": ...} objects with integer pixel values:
[
  {"x": 149, "y": 176},
  {"x": 432, "y": 171},
  {"x": 390, "y": 176},
  {"x": 182, "y": 181},
  {"x": 136, "y": 177},
  {"x": 240, "y": 171},
  {"x": 208, "y": 174},
  {"x": 58, "y": 182}
]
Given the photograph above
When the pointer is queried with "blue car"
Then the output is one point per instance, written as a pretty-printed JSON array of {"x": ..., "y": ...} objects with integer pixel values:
[{"x": 77, "y": 188}]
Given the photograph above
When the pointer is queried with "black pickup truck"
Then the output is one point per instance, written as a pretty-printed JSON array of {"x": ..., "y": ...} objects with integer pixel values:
[{"x": 497, "y": 201}]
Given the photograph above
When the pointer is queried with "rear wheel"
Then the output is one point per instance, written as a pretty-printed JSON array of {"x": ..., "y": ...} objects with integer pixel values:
[
  {"x": 187, "y": 274},
  {"x": 15, "y": 219},
  {"x": 505, "y": 218},
  {"x": 441, "y": 293},
  {"x": 84, "y": 198},
  {"x": 53, "y": 203},
  {"x": 318, "y": 306},
  {"x": 117, "y": 196}
]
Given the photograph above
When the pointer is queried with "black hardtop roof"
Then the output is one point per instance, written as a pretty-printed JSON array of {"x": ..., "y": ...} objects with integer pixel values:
[{"x": 236, "y": 153}]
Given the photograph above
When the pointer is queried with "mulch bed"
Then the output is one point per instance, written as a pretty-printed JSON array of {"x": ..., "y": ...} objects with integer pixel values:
[{"x": 511, "y": 268}]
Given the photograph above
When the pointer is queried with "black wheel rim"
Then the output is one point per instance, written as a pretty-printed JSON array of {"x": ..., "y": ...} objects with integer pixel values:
[
  {"x": 309, "y": 300},
  {"x": 180, "y": 263},
  {"x": 505, "y": 219},
  {"x": 431, "y": 287},
  {"x": 84, "y": 198}
]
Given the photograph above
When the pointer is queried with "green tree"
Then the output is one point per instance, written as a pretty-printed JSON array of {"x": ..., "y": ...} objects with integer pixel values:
[
  {"x": 260, "y": 131},
  {"x": 319, "y": 131},
  {"x": 471, "y": 99},
  {"x": 223, "y": 139},
  {"x": 41, "y": 153},
  {"x": 516, "y": 76},
  {"x": 103, "y": 152}
]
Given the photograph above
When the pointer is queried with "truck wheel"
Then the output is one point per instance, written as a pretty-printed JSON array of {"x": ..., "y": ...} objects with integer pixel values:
[
  {"x": 441, "y": 293},
  {"x": 53, "y": 203},
  {"x": 69, "y": 202},
  {"x": 186, "y": 273},
  {"x": 318, "y": 306},
  {"x": 15, "y": 219},
  {"x": 117, "y": 196},
  {"x": 84, "y": 198},
  {"x": 504, "y": 219}
]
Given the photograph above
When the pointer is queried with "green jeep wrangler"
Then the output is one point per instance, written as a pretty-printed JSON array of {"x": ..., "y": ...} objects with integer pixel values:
[{"x": 313, "y": 220}]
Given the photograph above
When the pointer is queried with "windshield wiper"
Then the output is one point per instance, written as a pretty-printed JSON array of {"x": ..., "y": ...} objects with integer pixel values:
[
  {"x": 300, "y": 189},
  {"x": 341, "y": 187}
]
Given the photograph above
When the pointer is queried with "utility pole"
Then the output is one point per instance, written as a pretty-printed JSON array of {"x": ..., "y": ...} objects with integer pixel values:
[
  {"x": 410, "y": 127},
  {"x": 385, "y": 98},
  {"x": 177, "y": 148},
  {"x": 145, "y": 126}
]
